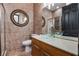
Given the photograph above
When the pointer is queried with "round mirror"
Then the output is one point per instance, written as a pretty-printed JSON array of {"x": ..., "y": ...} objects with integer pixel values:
[
  {"x": 43, "y": 21},
  {"x": 19, "y": 18}
]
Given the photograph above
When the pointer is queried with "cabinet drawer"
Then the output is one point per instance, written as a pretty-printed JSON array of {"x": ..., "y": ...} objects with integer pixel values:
[
  {"x": 44, "y": 53},
  {"x": 35, "y": 51},
  {"x": 37, "y": 42}
]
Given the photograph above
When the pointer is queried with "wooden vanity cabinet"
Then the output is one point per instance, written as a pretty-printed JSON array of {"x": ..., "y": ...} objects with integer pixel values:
[
  {"x": 40, "y": 48},
  {"x": 36, "y": 51}
]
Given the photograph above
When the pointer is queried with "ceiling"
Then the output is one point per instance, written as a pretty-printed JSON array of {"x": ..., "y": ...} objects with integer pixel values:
[{"x": 54, "y": 6}]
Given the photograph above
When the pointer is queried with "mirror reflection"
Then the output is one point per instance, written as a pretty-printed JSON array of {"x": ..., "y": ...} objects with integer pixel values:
[
  {"x": 20, "y": 18},
  {"x": 43, "y": 21},
  {"x": 57, "y": 24}
]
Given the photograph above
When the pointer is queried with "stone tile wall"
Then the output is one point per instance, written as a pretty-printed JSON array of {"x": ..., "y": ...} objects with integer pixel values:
[
  {"x": 37, "y": 26},
  {"x": 16, "y": 35}
]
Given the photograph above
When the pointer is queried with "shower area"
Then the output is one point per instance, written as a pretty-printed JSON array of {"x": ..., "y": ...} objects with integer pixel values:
[{"x": 2, "y": 30}]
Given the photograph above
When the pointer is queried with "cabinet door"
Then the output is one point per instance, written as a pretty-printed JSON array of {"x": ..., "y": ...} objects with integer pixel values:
[
  {"x": 44, "y": 53},
  {"x": 70, "y": 22},
  {"x": 73, "y": 21},
  {"x": 36, "y": 51},
  {"x": 65, "y": 22}
]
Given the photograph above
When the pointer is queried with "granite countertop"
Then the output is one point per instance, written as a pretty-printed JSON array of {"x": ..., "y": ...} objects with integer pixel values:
[{"x": 66, "y": 45}]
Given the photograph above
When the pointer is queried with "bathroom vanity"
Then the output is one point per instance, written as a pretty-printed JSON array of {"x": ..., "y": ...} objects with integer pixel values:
[{"x": 52, "y": 47}]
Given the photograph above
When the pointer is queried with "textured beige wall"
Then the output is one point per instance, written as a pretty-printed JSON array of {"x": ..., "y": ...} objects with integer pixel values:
[
  {"x": 37, "y": 28},
  {"x": 56, "y": 13},
  {"x": 14, "y": 34}
]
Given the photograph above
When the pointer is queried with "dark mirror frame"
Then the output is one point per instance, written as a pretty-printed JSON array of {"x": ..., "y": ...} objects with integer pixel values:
[
  {"x": 20, "y": 11},
  {"x": 44, "y": 21}
]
